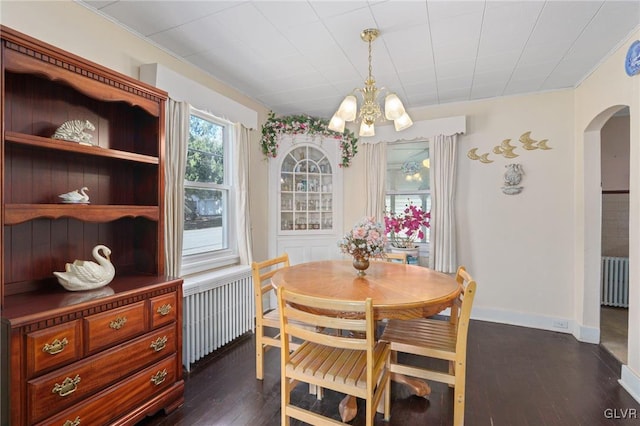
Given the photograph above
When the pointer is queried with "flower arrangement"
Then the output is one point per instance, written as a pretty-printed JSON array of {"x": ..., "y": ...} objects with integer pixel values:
[
  {"x": 302, "y": 124},
  {"x": 365, "y": 240},
  {"x": 405, "y": 227}
]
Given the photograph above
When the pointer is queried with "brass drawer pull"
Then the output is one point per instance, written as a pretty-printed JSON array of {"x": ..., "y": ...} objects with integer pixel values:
[
  {"x": 118, "y": 323},
  {"x": 159, "y": 377},
  {"x": 56, "y": 346},
  {"x": 159, "y": 344},
  {"x": 164, "y": 309},
  {"x": 67, "y": 387},
  {"x": 75, "y": 422}
]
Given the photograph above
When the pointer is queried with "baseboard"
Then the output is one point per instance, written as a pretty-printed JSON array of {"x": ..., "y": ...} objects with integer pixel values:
[
  {"x": 542, "y": 322},
  {"x": 587, "y": 334},
  {"x": 630, "y": 381}
]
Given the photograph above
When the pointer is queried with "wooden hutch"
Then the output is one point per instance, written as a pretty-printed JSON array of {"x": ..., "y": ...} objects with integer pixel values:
[{"x": 111, "y": 355}]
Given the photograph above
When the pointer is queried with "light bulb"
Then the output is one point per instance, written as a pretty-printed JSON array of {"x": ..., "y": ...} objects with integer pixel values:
[
  {"x": 336, "y": 124},
  {"x": 393, "y": 108},
  {"x": 348, "y": 108},
  {"x": 403, "y": 122},
  {"x": 366, "y": 129}
]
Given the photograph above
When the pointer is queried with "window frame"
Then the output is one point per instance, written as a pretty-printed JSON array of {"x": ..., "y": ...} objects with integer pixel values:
[{"x": 210, "y": 260}]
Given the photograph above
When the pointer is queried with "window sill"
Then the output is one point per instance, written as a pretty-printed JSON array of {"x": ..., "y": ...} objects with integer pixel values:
[
  {"x": 204, "y": 281},
  {"x": 207, "y": 263}
]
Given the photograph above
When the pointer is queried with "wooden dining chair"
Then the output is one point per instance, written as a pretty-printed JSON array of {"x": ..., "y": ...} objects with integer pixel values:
[
  {"x": 439, "y": 339},
  {"x": 353, "y": 362},
  {"x": 262, "y": 273}
]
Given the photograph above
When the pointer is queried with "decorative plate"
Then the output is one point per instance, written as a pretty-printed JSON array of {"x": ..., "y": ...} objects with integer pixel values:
[{"x": 632, "y": 62}]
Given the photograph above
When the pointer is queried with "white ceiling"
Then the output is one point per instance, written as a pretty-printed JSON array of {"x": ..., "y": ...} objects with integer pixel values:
[{"x": 303, "y": 57}]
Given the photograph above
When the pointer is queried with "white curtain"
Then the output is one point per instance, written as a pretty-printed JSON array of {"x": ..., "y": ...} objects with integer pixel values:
[
  {"x": 176, "y": 143},
  {"x": 243, "y": 137},
  {"x": 375, "y": 173},
  {"x": 442, "y": 151}
]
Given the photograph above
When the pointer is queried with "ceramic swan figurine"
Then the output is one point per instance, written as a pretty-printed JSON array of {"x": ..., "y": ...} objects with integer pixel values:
[
  {"x": 88, "y": 275},
  {"x": 76, "y": 197}
]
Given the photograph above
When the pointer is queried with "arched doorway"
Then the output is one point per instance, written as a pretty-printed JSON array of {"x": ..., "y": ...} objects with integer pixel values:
[
  {"x": 615, "y": 162},
  {"x": 593, "y": 213}
]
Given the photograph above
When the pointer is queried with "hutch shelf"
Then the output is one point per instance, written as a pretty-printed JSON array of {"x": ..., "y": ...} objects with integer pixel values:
[{"x": 111, "y": 355}]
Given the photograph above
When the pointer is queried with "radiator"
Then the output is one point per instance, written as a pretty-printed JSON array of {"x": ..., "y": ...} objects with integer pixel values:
[
  {"x": 216, "y": 310},
  {"x": 615, "y": 281}
]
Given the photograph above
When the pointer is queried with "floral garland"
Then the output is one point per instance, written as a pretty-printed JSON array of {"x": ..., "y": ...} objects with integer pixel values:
[{"x": 303, "y": 124}]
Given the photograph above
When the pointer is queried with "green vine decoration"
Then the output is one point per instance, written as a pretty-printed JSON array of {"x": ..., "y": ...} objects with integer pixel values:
[{"x": 303, "y": 124}]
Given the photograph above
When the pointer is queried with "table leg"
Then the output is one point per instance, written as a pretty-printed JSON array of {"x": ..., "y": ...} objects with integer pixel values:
[
  {"x": 418, "y": 387},
  {"x": 348, "y": 408}
]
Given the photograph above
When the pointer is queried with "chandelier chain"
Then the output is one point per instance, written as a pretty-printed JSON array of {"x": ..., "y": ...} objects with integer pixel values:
[{"x": 370, "y": 68}]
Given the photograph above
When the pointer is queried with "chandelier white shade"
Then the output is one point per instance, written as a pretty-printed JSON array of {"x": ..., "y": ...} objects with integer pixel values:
[{"x": 370, "y": 110}]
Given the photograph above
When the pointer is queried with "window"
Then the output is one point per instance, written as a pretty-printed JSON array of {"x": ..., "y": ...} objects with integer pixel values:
[
  {"x": 207, "y": 194},
  {"x": 408, "y": 177}
]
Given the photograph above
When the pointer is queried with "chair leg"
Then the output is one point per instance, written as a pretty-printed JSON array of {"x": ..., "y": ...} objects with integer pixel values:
[
  {"x": 458, "y": 409},
  {"x": 370, "y": 413},
  {"x": 459, "y": 395},
  {"x": 285, "y": 399},
  {"x": 387, "y": 394},
  {"x": 259, "y": 359}
]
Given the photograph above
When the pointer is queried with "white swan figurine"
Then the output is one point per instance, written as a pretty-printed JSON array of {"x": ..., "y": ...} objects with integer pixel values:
[
  {"x": 76, "y": 197},
  {"x": 87, "y": 275}
]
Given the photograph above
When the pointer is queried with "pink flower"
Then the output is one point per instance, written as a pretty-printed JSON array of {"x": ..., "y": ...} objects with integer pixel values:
[
  {"x": 407, "y": 226},
  {"x": 359, "y": 233}
]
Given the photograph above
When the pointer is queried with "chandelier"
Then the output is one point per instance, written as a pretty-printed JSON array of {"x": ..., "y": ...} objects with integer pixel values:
[{"x": 370, "y": 109}]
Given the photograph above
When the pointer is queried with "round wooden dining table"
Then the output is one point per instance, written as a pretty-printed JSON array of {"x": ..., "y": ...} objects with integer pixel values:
[{"x": 398, "y": 291}]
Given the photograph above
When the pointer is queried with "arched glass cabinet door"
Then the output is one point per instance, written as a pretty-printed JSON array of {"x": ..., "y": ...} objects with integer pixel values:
[{"x": 306, "y": 191}]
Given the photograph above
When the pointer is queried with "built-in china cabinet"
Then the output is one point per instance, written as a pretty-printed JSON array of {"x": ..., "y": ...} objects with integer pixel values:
[
  {"x": 110, "y": 355},
  {"x": 306, "y": 202}
]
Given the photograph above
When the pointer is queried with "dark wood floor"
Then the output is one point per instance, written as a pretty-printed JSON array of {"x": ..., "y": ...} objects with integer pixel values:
[{"x": 516, "y": 376}]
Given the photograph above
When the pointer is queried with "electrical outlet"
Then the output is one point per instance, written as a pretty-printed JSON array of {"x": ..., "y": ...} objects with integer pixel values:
[{"x": 561, "y": 324}]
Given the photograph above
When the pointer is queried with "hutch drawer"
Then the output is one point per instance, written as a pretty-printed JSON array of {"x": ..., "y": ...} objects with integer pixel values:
[
  {"x": 121, "y": 397},
  {"x": 53, "y": 347},
  {"x": 118, "y": 325},
  {"x": 163, "y": 310}
]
